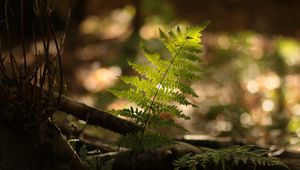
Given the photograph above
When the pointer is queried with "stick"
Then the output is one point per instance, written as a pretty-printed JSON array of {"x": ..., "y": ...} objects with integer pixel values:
[{"x": 97, "y": 117}]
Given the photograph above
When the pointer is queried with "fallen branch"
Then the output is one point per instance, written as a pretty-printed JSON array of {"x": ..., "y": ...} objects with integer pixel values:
[{"x": 97, "y": 117}]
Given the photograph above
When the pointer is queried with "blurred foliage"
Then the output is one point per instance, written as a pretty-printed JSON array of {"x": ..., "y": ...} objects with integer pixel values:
[
  {"x": 257, "y": 72},
  {"x": 250, "y": 89}
]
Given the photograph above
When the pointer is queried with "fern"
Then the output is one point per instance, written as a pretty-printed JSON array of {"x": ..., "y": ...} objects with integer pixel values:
[
  {"x": 150, "y": 140},
  {"x": 160, "y": 85},
  {"x": 222, "y": 158}
]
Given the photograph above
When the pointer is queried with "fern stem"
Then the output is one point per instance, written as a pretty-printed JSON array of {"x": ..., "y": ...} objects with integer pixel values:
[{"x": 156, "y": 93}]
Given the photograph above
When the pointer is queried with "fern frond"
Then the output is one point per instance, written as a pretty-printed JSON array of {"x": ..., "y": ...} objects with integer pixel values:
[
  {"x": 143, "y": 69},
  {"x": 130, "y": 140},
  {"x": 184, "y": 87},
  {"x": 155, "y": 122},
  {"x": 188, "y": 64},
  {"x": 152, "y": 141},
  {"x": 184, "y": 72},
  {"x": 171, "y": 109},
  {"x": 222, "y": 158},
  {"x": 154, "y": 58},
  {"x": 133, "y": 113},
  {"x": 155, "y": 140},
  {"x": 140, "y": 84},
  {"x": 161, "y": 84},
  {"x": 132, "y": 95},
  {"x": 168, "y": 95}
]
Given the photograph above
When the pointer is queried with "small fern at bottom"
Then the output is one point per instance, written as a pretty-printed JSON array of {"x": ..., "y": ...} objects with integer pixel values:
[{"x": 227, "y": 159}]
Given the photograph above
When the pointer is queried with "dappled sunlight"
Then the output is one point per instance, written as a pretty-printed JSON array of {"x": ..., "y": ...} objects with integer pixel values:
[
  {"x": 119, "y": 104},
  {"x": 88, "y": 100},
  {"x": 115, "y": 25},
  {"x": 290, "y": 50},
  {"x": 296, "y": 109},
  {"x": 171, "y": 84},
  {"x": 267, "y": 105},
  {"x": 259, "y": 80},
  {"x": 147, "y": 32},
  {"x": 252, "y": 86},
  {"x": 223, "y": 42},
  {"x": 247, "y": 120},
  {"x": 252, "y": 78},
  {"x": 99, "y": 79},
  {"x": 256, "y": 46},
  {"x": 272, "y": 81}
]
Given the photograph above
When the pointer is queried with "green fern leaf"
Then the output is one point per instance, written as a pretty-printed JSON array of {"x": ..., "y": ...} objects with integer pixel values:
[
  {"x": 151, "y": 141},
  {"x": 185, "y": 88},
  {"x": 221, "y": 158},
  {"x": 161, "y": 84}
]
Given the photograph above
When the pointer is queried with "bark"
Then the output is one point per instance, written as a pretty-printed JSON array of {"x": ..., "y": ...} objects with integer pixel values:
[{"x": 96, "y": 117}]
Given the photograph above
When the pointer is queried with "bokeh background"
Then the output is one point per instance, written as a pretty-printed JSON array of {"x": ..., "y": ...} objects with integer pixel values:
[{"x": 249, "y": 91}]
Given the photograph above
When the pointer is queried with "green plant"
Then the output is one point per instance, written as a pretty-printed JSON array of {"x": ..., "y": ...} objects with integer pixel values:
[
  {"x": 227, "y": 159},
  {"x": 162, "y": 83}
]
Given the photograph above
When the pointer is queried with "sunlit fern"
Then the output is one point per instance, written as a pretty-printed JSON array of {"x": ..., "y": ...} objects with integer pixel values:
[
  {"x": 227, "y": 158},
  {"x": 160, "y": 85}
]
